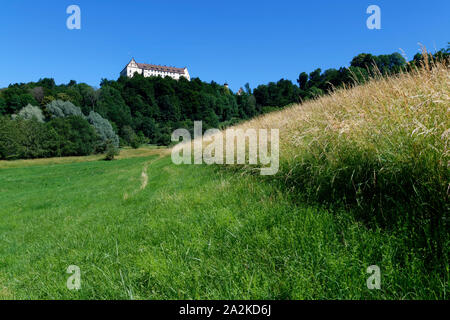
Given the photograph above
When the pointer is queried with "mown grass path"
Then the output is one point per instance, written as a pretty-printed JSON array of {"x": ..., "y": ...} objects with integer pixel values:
[{"x": 192, "y": 232}]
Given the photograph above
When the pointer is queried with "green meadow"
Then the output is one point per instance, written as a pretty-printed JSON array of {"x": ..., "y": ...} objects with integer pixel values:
[{"x": 144, "y": 228}]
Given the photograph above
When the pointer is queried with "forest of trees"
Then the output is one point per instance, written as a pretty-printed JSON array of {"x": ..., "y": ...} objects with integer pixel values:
[{"x": 42, "y": 119}]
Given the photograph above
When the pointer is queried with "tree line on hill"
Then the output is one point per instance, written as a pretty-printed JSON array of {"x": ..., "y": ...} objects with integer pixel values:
[
  {"x": 60, "y": 129},
  {"x": 42, "y": 119},
  {"x": 317, "y": 83}
]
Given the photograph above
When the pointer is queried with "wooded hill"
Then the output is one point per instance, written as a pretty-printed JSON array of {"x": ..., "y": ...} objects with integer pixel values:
[{"x": 147, "y": 110}]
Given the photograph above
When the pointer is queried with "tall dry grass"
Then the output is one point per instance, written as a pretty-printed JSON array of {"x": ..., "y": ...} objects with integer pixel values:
[{"x": 381, "y": 149}]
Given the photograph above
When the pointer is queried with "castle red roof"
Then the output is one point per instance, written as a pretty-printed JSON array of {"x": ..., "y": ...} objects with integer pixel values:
[{"x": 154, "y": 67}]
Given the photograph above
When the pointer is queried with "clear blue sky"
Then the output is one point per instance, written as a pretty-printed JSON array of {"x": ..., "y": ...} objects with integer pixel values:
[{"x": 233, "y": 41}]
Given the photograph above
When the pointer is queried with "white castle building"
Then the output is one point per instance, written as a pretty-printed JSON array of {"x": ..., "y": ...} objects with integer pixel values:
[{"x": 151, "y": 70}]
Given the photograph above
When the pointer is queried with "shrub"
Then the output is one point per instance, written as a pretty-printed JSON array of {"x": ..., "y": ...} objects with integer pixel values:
[
  {"x": 30, "y": 112},
  {"x": 104, "y": 130},
  {"x": 61, "y": 109},
  {"x": 2, "y": 106},
  {"x": 269, "y": 109},
  {"x": 111, "y": 151},
  {"x": 76, "y": 137},
  {"x": 46, "y": 100},
  {"x": 135, "y": 143},
  {"x": 25, "y": 139},
  {"x": 130, "y": 137}
]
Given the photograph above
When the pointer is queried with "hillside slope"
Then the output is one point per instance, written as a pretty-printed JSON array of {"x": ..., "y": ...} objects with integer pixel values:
[
  {"x": 184, "y": 232},
  {"x": 381, "y": 150}
]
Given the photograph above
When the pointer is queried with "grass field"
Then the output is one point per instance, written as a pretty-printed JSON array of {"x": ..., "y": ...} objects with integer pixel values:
[
  {"x": 143, "y": 228},
  {"x": 125, "y": 153}
]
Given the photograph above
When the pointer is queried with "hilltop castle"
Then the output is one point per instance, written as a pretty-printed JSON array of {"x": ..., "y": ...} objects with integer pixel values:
[{"x": 151, "y": 70}]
